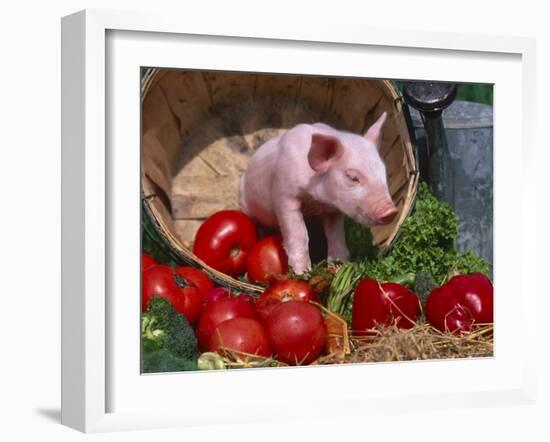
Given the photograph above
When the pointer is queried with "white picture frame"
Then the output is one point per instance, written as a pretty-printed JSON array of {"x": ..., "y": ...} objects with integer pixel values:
[{"x": 90, "y": 212}]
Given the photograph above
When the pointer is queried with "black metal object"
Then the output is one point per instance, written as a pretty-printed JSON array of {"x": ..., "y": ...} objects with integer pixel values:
[{"x": 430, "y": 99}]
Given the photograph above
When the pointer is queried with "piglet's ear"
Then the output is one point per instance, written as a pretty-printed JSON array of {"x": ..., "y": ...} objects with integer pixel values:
[
  {"x": 374, "y": 132},
  {"x": 323, "y": 152}
]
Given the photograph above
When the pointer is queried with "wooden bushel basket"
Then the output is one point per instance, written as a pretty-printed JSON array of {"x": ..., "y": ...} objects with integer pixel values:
[{"x": 199, "y": 129}]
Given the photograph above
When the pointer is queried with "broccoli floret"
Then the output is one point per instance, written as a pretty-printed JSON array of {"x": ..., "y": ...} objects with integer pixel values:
[
  {"x": 162, "y": 361},
  {"x": 167, "y": 340},
  {"x": 423, "y": 285}
]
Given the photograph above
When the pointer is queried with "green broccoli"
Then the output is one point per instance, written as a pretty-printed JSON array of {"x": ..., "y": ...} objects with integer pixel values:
[
  {"x": 162, "y": 361},
  {"x": 168, "y": 342},
  {"x": 423, "y": 285}
]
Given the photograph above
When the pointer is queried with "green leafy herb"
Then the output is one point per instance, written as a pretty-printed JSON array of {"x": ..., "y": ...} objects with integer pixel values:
[
  {"x": 359, "y": 241},
  {"x": 427, "y": 244}
]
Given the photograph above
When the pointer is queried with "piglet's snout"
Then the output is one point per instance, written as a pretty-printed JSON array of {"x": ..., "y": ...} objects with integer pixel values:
[{"x": 386, "y": 214}]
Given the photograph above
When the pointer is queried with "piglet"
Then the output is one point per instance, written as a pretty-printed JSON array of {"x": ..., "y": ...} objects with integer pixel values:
[{"x": 316, "y": 170}]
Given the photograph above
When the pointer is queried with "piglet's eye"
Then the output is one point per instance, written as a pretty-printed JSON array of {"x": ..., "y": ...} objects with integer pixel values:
[{"x": 352, "y": 178}]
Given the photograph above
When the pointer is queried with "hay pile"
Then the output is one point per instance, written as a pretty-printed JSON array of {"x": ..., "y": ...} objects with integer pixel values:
[{"x": 422, "y": 342}]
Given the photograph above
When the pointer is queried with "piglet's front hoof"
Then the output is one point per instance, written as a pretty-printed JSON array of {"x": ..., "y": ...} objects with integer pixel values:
[{"x": 300, "y": 265}]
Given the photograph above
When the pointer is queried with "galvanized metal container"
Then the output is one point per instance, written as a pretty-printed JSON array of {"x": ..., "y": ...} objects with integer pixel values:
[{"x": 461, "y": 173}]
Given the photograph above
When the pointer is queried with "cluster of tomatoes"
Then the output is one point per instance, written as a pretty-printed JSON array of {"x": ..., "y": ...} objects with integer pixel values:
[
  {"x": 283, "y": 321},
  {"x": 227, "y": 241},
  {"x": 280, "y": 323},
  {"x": 186, "y": 288},
  {"x": 456, "y": 306}
]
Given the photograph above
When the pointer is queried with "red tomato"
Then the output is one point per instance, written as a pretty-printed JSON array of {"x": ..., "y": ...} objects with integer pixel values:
[
  {"x": 267, "y": 259},
  {"x": 216, "y": 294},
  {"x": 160, "y": 280},
  {"x": 296, "y": 331},
  {"x": 240, "y": 334},
  {"x": 224, "y": 240},
  {"x": 460, "y": 303},
  {"x": 191, "y": 304},
  {"x": 217, "y": 312},
  {"x": 283, "y": 291},
  {"x": 194, "y": 277},
  {"x": 147, "y": 261},
  {"x": 384, "y": 304}
]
